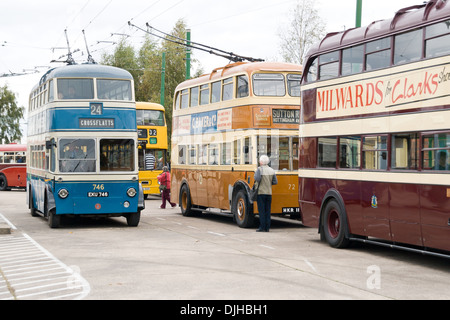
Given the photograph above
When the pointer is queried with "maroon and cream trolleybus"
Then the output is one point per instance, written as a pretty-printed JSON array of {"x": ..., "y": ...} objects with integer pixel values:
[{"x": 375, "y": 133}]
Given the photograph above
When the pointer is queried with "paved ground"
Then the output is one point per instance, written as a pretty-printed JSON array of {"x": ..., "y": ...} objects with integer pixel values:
[{"x": 169, "y": 256}]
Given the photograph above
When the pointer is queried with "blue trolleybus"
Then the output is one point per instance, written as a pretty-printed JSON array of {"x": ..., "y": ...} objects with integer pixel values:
[{"x": 82, "y": 145}]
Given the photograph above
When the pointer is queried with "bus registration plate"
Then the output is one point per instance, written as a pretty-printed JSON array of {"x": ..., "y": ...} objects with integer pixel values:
[{"x": 98, "y": 194}]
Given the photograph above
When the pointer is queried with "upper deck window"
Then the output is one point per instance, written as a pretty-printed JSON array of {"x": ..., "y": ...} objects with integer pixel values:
[
  {"x": 50, "y": 91},
  {"x": 437, "y": 41},
  {"x": 114, "y": 90},
  {"x": 227, "y": 91},
  {"x": 329, "y": 65},
  {"x": 75, "y": 89},
  {"x": 294, "y": 84},
  {"x": 215, "y": 91},
  {"x": 352, "y": 60},
  {"x": 311, "y": 75},
  {"x": 204, "y": 94},
  {"x": 242, "y": 86},
  {"x": 194, "y": 97},
  {"x": 408, "y": 47},
  {"x": 184, "y": 99},
  {"x": 378, "y": 54},
  {"x": 269, "y": 84},
  {"x": 150, "y": 118}
]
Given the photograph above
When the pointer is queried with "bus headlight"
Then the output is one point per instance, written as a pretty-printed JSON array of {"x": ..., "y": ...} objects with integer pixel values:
[
  {"x": 131, "y": 192},
  {"x": 63, "y": 193},
  {"x": 126, "y": 204}
]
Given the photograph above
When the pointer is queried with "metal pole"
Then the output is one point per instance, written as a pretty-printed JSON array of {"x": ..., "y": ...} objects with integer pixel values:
[
  {"x": 358, "y": 13},
  {"x": 163, "y": 77},
  {"x": 188, "y": 54}
]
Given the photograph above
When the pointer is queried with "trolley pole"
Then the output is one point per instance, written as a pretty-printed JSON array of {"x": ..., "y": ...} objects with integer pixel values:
[
  {"x": 188, "y": 54},
  {"x": 163, "y": 77},
  {"x": 358, "y": 13}
]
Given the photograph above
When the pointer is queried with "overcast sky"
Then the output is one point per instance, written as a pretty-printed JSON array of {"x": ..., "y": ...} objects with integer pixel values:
[{"x": 32, "y": 31}]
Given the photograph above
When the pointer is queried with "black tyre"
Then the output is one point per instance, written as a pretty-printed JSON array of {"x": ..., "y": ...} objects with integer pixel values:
[
  {"x": 133, "y": 219},
  {"x": 185, "y": 201},
  {"x": 31, "y": 205},
  {"x": 243, "y": 211},
  {"x": 54, "y": 220},
  {"x": 334, "y": 225},
  {"x": 3, "y": 183}
]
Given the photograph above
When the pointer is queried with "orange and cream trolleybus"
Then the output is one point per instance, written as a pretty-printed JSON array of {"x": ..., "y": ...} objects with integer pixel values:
[
  {"x": 222, "y": 123},
  {"x": 153, "y": 145},
  {"x": 375, "y": 133}
]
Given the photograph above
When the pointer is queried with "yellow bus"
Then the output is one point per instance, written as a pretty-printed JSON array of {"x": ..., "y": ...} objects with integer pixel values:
[
  {"x": 222, "y": 123},
  {"x": 153, "y": 145}
]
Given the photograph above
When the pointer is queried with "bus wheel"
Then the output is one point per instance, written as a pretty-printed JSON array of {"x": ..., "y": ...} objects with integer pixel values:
[
  {"x": 53, "y": 219},
  {"x": 3, "y": 183},
  {"x": 242, "y": 210},
  {"x": 133, "y": 219},
  {"x": 185, "y": 201},
  {"x": 31, "y": 205},
  {"x": 334, "y": 225}
]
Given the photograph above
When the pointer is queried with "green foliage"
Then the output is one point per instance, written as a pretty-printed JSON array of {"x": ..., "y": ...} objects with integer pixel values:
[
  {"x": 145, "y": 64},
  {"x": 10, "y": 115}
]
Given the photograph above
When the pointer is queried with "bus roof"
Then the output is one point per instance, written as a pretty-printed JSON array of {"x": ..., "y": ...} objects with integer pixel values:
[
  {"x": 240, "y": 68},
  {"x": 86, "y": 71},
  {"x": 148, "y": 106},
  {"x": 404, "y": 19},
  {"x": 13, "y": 147}
]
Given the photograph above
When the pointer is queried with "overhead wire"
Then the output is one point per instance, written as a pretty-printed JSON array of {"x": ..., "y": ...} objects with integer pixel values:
[
  {"x": 194, "y": 45},
  {"x": 198, "y": 46}
]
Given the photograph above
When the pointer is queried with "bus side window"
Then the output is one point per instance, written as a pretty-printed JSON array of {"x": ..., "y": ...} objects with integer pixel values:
[
  {"x": 437, "y": 39},
  {"x": 327, "y": 152},
  {"x": 184, "y": 99},
  {"x": 194, "y": 97},
  {"x": 242, "y": 87},
  {"x": 181, "y": 154},
  {"x": 226, "y": 153},
  {"x": 215, "y": 91},
  {"x": 248, "y": 151},
  {"x": 227, "y": 91},
  {"x": 349, "y": 152},
  {"x": 435, "y": 151},
  {"x": 236, "y": 152},
  {"x": 177, "y": 100},
  {"x": 204, "y": 94},
  {"x": 375, "y": 153},
  {"x": 311, "y": 75},
  {"x": 405, "y": 151}
]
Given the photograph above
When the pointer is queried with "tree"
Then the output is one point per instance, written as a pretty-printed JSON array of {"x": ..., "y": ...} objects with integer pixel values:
[
  {"x": 123, "y": 57},
  {"x": 175, "y": 68},
  {"x": 146, "y": 66},
  {"x": 305, "y": 29},
  {"x": 10, "y": 115}
]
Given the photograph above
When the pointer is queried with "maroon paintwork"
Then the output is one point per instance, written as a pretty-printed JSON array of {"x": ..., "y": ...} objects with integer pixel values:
[{"x": 412, "y": 214}]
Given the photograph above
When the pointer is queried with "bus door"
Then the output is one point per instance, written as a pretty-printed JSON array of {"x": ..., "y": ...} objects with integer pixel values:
[
  {"x": 404, "y": 198},
  {"x": 375, "y": 195},
  {"x": 202, "y": 175}
]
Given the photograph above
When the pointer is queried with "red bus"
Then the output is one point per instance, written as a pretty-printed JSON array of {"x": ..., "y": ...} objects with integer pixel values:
[
  {"x": 13, "y": 166},
  {"x": 375, "y": 133}
]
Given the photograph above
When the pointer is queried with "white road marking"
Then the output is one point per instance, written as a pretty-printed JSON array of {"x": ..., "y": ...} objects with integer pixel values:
[{"x": 28, "y": 271}]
